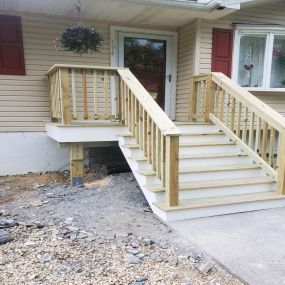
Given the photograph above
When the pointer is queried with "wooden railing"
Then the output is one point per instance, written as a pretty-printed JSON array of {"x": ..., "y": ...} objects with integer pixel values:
[
  {"x": 254, "y": 126},
  {"x": 85, "y": 92}
]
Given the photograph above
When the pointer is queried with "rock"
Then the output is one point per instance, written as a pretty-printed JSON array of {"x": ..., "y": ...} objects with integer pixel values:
[
  {"x": 68, "y": 221},
  {"x": 30, "y": 243},
  {"x": 141, "y": 278},
  {"x": 82, "y": 235},
  {"x": 147, "y": 241},
  {"x": 134, "y": 244},
  {"x": 155, "y": 256},
  {"x": 4, "y": 213},
  {"x": 5, "y": 223},
  {"x": 39, "y": 225},
  {"x": 140, "y": 255},
  {"x": 36, "y": 203},
  {"x": 132, "y": 251},
  {"x": 205, "y": 268},
  {"x": 122, "y": 235},
  {"x": 5, "y": 237},
  {"x": 131, "y": 259},
  {"x": 45, "y": 257},
  {"x": 195, "y": 258}
]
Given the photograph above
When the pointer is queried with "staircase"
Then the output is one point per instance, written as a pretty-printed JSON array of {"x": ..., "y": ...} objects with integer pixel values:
[{"x": 215, "y": 176}]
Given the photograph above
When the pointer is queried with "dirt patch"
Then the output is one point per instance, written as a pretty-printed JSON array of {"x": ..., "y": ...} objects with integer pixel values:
[{"x": 15, "y": 188}]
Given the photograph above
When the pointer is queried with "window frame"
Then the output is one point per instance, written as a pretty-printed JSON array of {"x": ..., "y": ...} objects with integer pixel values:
[{"x": 270, "y": 32}]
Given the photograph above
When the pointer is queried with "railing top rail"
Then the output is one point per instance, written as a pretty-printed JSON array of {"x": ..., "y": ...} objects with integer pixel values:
[
  {"x": 75, "y": 66},
  {"x": 255, "y": 105},
  {"x": 162, "y": 121}
]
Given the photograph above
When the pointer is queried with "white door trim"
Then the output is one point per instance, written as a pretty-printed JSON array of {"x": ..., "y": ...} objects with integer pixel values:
[{"x": 171, "y": 52}]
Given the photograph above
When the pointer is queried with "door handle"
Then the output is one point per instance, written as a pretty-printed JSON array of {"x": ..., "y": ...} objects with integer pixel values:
[{"x": 169, "y": 76}]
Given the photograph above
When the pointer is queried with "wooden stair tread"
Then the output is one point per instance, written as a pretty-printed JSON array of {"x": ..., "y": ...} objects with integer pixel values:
[
  {"x": 213, "y": 155},
  {"x": 213, "y": 183},
  {"x": 205, "y": 133},
  {"x": 220, "y": 201},
  {"x": 224, "y": 167},
  {"x": 131, "y": 146},
  {"x": 207, "y": 168},
  {"x": 206, "y": 144},
  {"x": 192, "y": 123}
]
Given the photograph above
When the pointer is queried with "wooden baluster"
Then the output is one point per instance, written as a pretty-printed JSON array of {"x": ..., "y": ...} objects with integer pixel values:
[
  {"x": 95, "y": 96},
  {"x": 129, "y": 94},
  {"x": 158, "y": 152},
  {"x": 162, "y": 160},
  {"x": 153, "y": 139},
  {"x": 222, "y": 106},
  {"x": 233, "y": 113},
  {"x": 217, "y": 101},
  {"x": 271, "y": 146},
  {"x": 257, "y": 138},
  {"x": 123, "y": 110},
  {"x": 65, "y": 105},
  {"x": 141, "y": 127},
  {"x": 250, "y": 140},
  {"x": 264, "y": 140},
  {"x": 126, "y": 102},
  {"x": 118, "y": 94},
  {"x": 228, "y": 106},
  {"x": 193, "y": 103},
  {"x": 84, "y": 95},
  {"x": 172, "y": 170},
  {"x": 145, "y": 132},
  {"x": 133, "y": 130},
  {"x": 244, "y": 131},
  {"x": 106, "y": 105},
  {"x": 238, "y": 119},
  {"x": 281, "y": 163},
  {"x": 73, "y": 91},
  {"x": 137, "y": 118},
  {"x": 149, "y": 139}
]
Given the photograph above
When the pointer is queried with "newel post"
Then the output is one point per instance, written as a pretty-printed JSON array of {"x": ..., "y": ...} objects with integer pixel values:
[
  {"x": 193, "y": 102},
  {"x": 64, "y": 96},
  {"x": 210, "y": 98},
  {"x": 281, "y": 163},
  {"x": 172, "y": 170}
]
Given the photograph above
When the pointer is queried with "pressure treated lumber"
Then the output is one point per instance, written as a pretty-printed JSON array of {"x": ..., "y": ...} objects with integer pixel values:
[{"x": 76, "y": 163}]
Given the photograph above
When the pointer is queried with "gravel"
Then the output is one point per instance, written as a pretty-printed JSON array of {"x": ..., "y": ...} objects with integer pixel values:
[{"x": 102, "y": 233}]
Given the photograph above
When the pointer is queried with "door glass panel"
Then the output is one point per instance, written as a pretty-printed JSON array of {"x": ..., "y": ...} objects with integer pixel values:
[
  {"x": 146, "y": 58},
  {"x": 251, "y": 60},
  {"x": 278, "y": 63}
]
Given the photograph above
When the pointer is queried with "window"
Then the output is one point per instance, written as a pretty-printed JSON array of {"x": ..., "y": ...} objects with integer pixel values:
[
  {"x": 11, "y": 46},
  {"x": 259, "y": 58}
]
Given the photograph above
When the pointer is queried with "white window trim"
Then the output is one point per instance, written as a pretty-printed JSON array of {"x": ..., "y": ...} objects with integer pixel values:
[{"x": 270, "y": 31}]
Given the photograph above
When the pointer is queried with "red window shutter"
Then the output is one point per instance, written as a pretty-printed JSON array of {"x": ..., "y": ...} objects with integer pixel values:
[
  {"x": 11, "y": 46},
  {"x": 222, "y": 51}
]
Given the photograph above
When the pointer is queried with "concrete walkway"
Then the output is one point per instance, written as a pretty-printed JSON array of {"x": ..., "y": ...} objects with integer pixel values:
[{"x": 251, "y": 245}]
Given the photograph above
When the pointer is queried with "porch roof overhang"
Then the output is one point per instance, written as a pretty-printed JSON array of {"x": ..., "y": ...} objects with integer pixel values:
[{"x": 163, "y": 13}]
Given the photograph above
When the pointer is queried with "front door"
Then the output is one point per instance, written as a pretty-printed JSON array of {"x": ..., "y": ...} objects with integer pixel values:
[{"x": 146, "y": 57}]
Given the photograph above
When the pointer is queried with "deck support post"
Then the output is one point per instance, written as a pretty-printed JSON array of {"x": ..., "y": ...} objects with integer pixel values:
[
  {"x": 172, "y": 169},
  {"x": 76, "y": 164},
  {"x": 281, "y": 164}
]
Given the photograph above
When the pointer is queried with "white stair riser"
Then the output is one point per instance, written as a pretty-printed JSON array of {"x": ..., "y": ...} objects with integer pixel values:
[
  {"x": 190, "y": 162},
  {"x": 129, "y": 140},
  {"x": 222, "y": 210},
  {"x": 216, "y": 175},
  {"x": 221, "y": 191},
  {"x": 142, "y": 165},
  {"x": 208, "y": 149},
  {"x": 196, "y": 128},
  {"x": 204, "y": 138}
]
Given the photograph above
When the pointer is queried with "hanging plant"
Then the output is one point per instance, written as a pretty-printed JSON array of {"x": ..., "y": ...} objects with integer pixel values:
[{"x": 80, "y": 39}]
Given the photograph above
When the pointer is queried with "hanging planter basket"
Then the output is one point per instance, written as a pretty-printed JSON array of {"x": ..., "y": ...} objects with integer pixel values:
[{"x": 80, "y": 39}]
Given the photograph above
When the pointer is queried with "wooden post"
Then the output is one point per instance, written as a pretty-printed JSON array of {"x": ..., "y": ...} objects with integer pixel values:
[
  {"x": 76, "y": 164},
  {"x": 65, "y": 105},
  {"x": 172, "y": 170},
  {"x": 84, "y": 94},
  {"x": 210, "y": 99}
]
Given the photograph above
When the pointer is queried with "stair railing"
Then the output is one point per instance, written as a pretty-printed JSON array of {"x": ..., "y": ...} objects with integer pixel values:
[
  {"x": 253, "y": 125},
  {"x": 156, "y": 134},
  {"x": 85, "y": 92}
]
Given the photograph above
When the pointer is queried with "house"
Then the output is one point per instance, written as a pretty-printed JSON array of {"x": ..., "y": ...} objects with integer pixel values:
[{"x": 210, "y": 145}]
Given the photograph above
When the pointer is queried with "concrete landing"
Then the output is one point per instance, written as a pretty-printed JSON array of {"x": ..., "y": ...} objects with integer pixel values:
[{"x": 251, "y": 245}]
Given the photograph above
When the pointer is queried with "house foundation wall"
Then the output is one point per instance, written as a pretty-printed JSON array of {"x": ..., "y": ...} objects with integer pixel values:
[{"x": 23, "y": 152}]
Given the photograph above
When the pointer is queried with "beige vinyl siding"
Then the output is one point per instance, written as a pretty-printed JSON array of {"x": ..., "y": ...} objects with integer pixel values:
[
  {"x": 185, "y": 69},
  {"x": 24, "y": 100}
]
